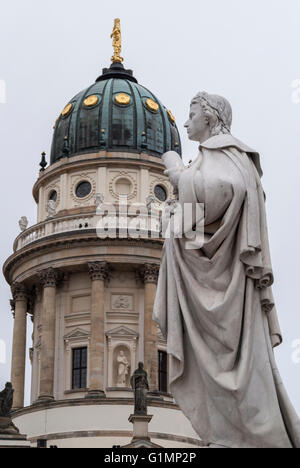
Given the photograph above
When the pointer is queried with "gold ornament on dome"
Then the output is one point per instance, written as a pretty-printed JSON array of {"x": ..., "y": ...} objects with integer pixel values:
[
  {"x": 117, "y": 42},
  {"x": 123, "y": 99},
  {"x": 152, "y": 105},
  {"x": 91, "y": 101},
  {"x": 67, "y": 110},
  {"x": 171, "y": 116}
]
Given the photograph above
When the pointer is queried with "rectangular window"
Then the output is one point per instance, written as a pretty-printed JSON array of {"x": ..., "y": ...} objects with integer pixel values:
[
  {"x": 163, "y": 371},
  {"x": 79, "y": 368}
]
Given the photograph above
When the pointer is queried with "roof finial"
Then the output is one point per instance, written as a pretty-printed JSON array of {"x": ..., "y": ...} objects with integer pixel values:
[
  {"x": 117, "y": 42},
  {"x": 43, "y": 163}
]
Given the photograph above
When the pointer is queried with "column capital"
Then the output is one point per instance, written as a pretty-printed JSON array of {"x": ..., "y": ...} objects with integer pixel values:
[
  {"x": 149, "y": 273},
  {"x": 19, "y": 292},
  {"x": 98, "y": 271},
  {"x": 49, "y": 277}
]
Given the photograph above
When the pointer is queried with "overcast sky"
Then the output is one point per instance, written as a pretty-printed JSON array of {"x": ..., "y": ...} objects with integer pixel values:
[{"x": 246, "y": 50}]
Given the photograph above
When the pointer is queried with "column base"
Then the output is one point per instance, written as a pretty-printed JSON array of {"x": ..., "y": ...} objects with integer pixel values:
[{"x": 94, "y": 394}]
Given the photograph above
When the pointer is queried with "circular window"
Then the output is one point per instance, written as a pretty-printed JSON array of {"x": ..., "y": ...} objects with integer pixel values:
[
  {"x": 160, "y": 193},
  {"x": 123, "y": 186},
  {"x": 53, "y": 196},
  {"x": 83, "y": 189}
]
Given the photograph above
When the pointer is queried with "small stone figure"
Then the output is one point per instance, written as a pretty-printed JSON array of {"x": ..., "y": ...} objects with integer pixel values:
[
  {"x": 140, "y": 385},
  {"x": 123, "y": 369},
  {"x": 23, "y": 223},
  {"x": 99, "y": 200},
  {"x": 149, "y": 202},
  {"x": 51, "y": 208},
  {"x": 6, "y": 402}
]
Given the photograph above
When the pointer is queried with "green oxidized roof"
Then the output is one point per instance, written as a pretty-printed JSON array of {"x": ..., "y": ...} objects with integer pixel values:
[{"x": 108, "y": 125}]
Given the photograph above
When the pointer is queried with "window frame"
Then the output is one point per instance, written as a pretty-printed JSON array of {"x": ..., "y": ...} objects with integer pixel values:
[
  {"x": 81, "y": 368},
  {"x": 163, "y": 374}
]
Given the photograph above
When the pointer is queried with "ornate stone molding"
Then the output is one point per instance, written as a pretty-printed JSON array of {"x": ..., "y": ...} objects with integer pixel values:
[
  {"x": 149, "y": 273},
  {"x": 50, "y": 277},
  {"x": 19, "y": 292},
  {"x": 98, "y": 271},
  {"x": 123, "y": 175},
  {"x": 54, "y": 187},
  {"x": 166, "y": 185},
  {"x": 82, "y": 177}
]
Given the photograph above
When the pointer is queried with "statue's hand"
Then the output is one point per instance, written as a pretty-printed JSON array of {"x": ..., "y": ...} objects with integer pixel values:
[
  {"x": 174, "y": 175},
  {"x": 174, "y": 167}
]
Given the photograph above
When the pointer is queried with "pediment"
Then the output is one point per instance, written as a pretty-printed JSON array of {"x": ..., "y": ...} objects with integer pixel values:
[
  {"x": 77, "y": 333},
  {"x": 121, "y": 332}
]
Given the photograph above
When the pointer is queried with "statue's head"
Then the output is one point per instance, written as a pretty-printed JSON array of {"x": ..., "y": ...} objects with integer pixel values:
[
  {"x": 210, "y": 115},
  {"x": 141, "y": 366}
]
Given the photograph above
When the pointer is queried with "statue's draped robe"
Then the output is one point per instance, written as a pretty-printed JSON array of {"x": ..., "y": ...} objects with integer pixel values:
[{"x": 216, "y": 308}]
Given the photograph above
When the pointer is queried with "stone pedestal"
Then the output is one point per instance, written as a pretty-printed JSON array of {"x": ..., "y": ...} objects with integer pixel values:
[
  {"x": 10, "y": 436},
  {"x": 141, "y": 438},
  {"x": 140, "y": 426},
  {"x": 13, "y": 441}
]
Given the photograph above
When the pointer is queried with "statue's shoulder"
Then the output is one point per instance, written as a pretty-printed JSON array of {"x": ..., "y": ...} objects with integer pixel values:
[{"x": 227, "y": 141}]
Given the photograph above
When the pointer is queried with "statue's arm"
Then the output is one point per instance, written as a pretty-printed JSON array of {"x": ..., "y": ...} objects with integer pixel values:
[{"x": 174, "y": 167}]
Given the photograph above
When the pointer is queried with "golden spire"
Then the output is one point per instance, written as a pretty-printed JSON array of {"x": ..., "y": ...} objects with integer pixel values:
[{"x": 117, "y": 42}]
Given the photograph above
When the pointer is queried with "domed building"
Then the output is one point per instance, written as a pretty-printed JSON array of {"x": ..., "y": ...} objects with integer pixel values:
[{"x": 90, "y": 296}]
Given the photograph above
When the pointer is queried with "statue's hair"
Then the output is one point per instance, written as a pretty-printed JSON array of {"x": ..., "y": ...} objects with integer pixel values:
[{"x": 217, "y": 110}]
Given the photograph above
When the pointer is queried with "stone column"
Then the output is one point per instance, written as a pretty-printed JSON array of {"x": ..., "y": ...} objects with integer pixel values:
[
  {"x": 49, "y": 279},
  {"x": 150, "y": 274},
  {"x": 19, "y": 344},
  {"x": 98, "y": 272}
]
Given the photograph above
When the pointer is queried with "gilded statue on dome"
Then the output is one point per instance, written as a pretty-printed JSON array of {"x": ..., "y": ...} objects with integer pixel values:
[{"x": 117, "y": 42}]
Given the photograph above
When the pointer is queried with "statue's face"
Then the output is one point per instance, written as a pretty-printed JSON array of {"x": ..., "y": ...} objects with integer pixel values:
[{"x": 196, "y": 126}]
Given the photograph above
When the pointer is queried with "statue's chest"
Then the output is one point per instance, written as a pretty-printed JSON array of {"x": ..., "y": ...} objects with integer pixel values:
[{"x": 215, "y": 184}]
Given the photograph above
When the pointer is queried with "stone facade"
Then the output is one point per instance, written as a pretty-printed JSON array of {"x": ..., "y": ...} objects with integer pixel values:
[{"x": 86, "y": 292}]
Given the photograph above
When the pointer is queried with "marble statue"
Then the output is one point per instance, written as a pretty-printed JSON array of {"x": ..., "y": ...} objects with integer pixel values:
[
  {"x": 51, "y": 208},
  {"x": 214, "y": 304},
  {"x": 23, "y": 223},
  {"x": 123, "y": 369},
  {"x": 140, "y": 385}
]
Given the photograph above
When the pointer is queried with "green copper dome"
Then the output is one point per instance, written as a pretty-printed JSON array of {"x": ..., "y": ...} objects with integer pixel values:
[{"x": 115, "y": 114}]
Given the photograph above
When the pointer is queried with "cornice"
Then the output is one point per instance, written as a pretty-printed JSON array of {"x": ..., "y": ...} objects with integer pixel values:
[
  {"x": 40, "y": 406},
  {"x": 71, "y": 239}
]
